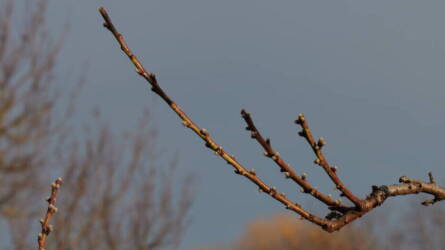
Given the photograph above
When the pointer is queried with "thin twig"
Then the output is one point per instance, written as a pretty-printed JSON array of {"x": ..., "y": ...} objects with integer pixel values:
[
  {"x": 52, "y": 209},
  {"x": 321, "y": 161},
  {"x": 288, "y": 171}
]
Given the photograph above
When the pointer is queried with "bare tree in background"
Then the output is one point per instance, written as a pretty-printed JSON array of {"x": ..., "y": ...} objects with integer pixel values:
[
  {"x": 117, "y": 194},
  {"x": 410, "y": 228},
  {"x": 27, "y": 99},
  {"x": 424, "y": 231},
  {"x": 285, "y": 233},
  {"x": 120, "y": 197}
]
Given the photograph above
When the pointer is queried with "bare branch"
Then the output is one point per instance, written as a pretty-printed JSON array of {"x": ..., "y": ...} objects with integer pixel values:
[
  {"x": 284, "y": 167},
  {"x": 321, "y": 160},
  {"x": 52, "y": 209},
  {"x": 28, "y": 98},
  {"x": 339, "y": 215},
  {"x": 202, "y": 133}
]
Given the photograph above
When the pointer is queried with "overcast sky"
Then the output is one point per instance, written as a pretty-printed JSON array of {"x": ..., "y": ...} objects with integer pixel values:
[{"x": 368, "y": 75}]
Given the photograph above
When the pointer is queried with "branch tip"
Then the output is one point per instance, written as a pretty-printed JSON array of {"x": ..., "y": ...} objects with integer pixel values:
[
  {"x": 46, "y": 228},
  {"x": 430, "y": 175},
  {"x": 300, "y": 120}
]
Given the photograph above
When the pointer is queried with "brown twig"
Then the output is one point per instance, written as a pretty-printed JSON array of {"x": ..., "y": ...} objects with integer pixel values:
[
  {"x": 321, "y": 161},
  {"x": 288, "y": 171},
  {"x": 52, "y": 209},
  {"x": 339, "y": 215}
]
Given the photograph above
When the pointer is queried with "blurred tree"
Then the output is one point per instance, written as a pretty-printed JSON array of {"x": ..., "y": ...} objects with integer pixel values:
[
  {"x": 27, "y": 98},
  {"x": 119, "y": 196},
  {"x": 426, "y": 231},
  {"x": 412, "y": 228},
  {"x": 116, "y": 193},
  {"x": 284, "y": 232}
]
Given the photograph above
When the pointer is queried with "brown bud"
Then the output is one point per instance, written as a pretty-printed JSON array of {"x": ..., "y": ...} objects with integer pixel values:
[{"x": 321, "y": 142}]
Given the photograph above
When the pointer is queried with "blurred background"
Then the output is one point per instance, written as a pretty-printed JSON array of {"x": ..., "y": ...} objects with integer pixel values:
[{"x": 367, "y": 75}]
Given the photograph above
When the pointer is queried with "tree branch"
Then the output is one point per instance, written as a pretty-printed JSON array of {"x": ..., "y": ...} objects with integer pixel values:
[
  {"x": 288, "y": 171},
  {"x": 321, "y": 161},
  {"x": 201, "y": 132},
  {"x": 52, "y": 209},
  {"x": 340, "y": 215}
]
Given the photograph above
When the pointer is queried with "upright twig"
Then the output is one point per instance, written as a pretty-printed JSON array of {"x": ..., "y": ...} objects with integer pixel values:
[
  {"x": 321, "y": 161},
  {"x": 284, "y": 167},
  {"x": 52, "y": 209},
  {"x": 340, "y": 215}
]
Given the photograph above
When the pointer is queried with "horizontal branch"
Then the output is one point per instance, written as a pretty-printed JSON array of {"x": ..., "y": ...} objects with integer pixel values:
[{"x": 379, "y": 195}]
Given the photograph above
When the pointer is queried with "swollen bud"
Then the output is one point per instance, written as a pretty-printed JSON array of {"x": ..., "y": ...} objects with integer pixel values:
[{"x": 321, "y": 142}]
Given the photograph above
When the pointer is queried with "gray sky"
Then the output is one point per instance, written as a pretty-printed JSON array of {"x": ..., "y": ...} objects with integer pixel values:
[{"x": 368, "y": 75}]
